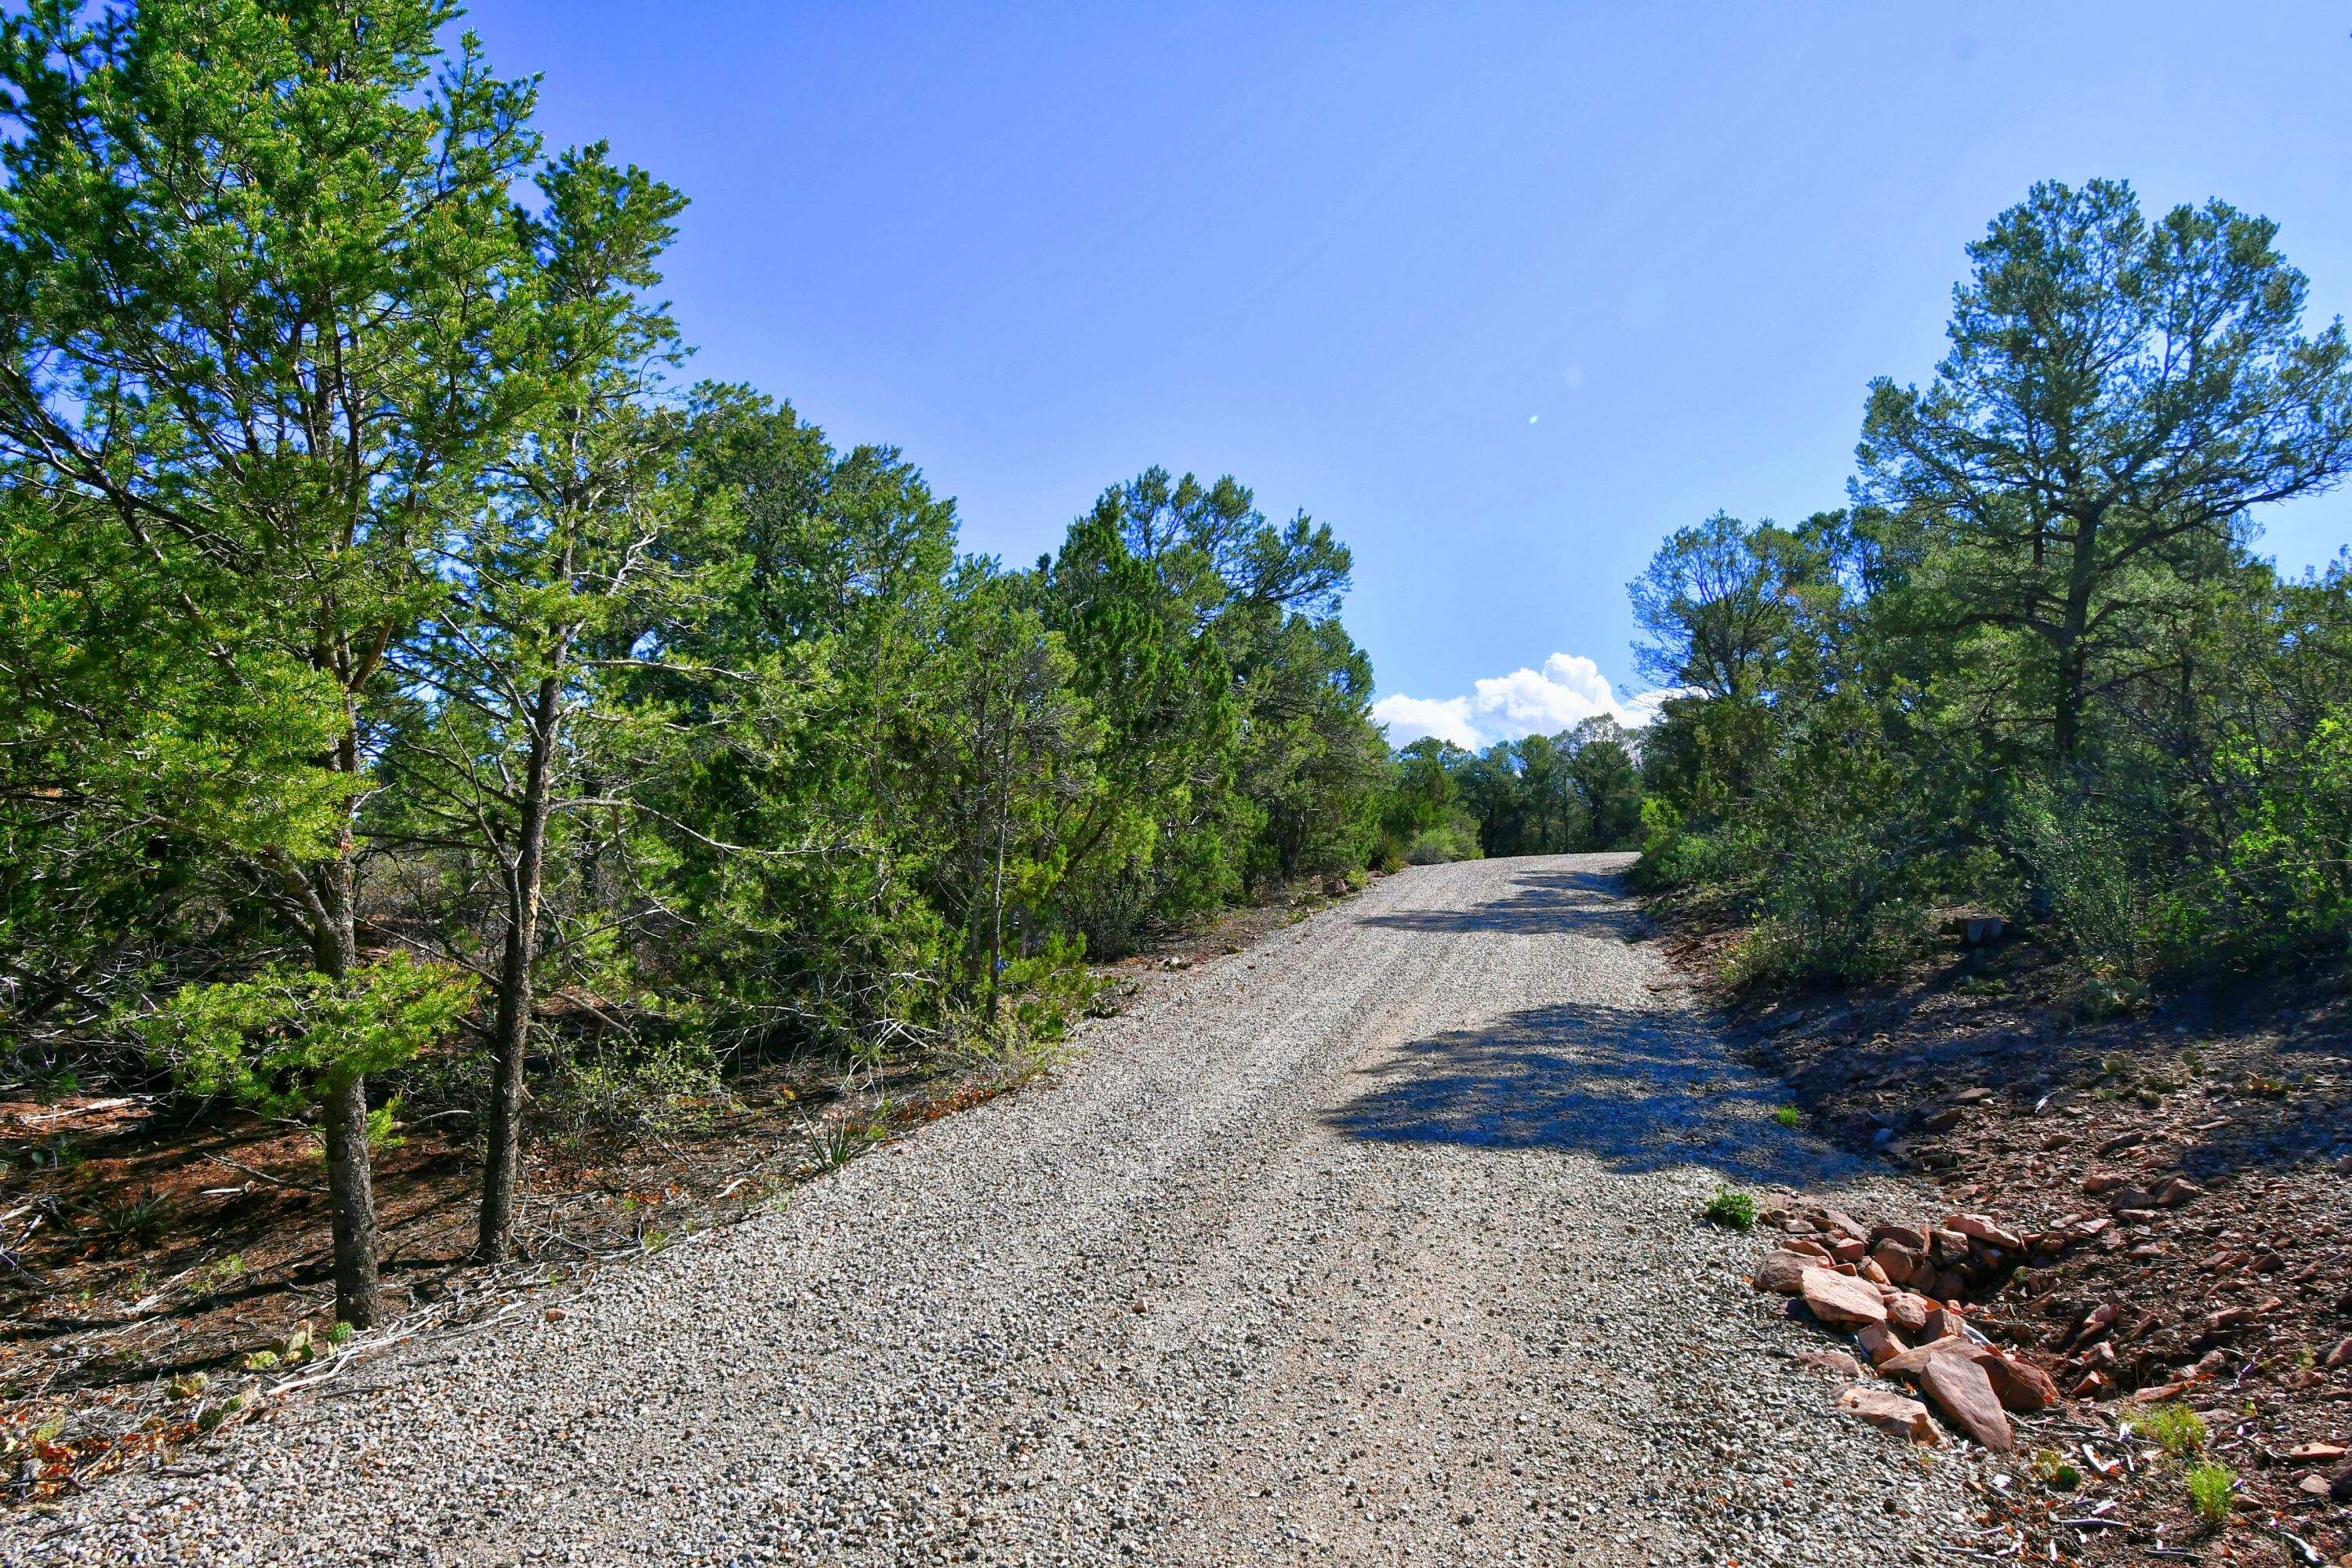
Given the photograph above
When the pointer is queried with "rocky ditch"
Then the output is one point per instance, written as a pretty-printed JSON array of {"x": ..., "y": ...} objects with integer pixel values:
[{"x": 1927, "y": 1364}]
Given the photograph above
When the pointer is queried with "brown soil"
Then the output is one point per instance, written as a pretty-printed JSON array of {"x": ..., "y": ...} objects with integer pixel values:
[
  {"x": 2049, "y": 1104},
  {"x": 144, "y": 1240}
]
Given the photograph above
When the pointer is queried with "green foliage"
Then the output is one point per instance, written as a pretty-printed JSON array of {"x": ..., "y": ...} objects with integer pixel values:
[
  {"x": 2055, "y": 1471},
  {"x": 1788, "y": 1115},
  {"x": 1730, "y": 1209},
  {"x": 277, "y": 1041},
  {"x": 357, "y": 552},
  {"x": 2212, "y": 1487},
  {"x": 1436, "y": 846},
  {"x": 2035, "y": 669},
  {"x": 1545, "y": 795},
  {"x": 657, "y": 1086},
  {"x": 2178, "y": 1430}
]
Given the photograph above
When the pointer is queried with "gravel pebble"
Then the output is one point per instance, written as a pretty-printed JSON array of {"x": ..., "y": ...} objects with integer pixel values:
[{"x": 1373, "y": 1243}]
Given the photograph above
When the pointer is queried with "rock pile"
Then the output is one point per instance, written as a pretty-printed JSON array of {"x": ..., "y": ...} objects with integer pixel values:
[{"x": 1868, "y": 1282}]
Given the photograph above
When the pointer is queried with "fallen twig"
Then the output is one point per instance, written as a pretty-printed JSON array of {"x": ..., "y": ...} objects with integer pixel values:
[{"x": 264, "y": 1175}]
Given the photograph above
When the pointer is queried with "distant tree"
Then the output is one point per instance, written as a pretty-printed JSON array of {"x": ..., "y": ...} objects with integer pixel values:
[
  {"x": 1726, "y": 608},
  {"x": 1601, "y": 762}
]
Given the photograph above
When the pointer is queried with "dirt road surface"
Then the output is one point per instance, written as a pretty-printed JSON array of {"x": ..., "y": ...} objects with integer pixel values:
[{"x": 1374, "y": 1244}]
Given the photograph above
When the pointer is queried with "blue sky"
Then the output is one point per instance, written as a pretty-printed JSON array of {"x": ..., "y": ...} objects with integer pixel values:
[{"x": 1502, "y": 293}]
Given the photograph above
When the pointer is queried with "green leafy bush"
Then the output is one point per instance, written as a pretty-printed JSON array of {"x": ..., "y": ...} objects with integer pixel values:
[
  {"x": 1448, "y": 842},
  {"x": 1731, "y": 1208},
  {"x": 2084, "y": 858}
]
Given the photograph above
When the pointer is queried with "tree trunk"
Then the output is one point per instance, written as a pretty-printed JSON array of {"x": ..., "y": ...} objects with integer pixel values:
[
  {"x": 351, "y": 1200},
  {"x": 351, "y": 1177},
  {"x": 996, "y": 889},
  {"x": 510, "y": 1038},
  {"x": 2073, "y": 654}
]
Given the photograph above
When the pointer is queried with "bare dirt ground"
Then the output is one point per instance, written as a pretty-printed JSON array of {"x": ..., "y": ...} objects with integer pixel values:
[{"x": 1375, "y": 1242}]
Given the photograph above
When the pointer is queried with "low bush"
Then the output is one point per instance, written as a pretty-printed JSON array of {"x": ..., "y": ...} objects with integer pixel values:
[{"x": 1731, "y": 1208}]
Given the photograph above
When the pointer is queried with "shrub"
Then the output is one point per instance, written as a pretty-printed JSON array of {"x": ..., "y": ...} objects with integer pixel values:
[
  {"x": 134, "y": 1225},
  {"x": 2210, "y": 1488},
  {"x": 2178, "y": 1429},
  {"x": 1447, "y": 842},
  {"x": 1730, "y": 1209},
  {"x": 2082, "y": 859},
  {"x": 1787, "y": 1116},
  {"x": 653, "y": 1087}
]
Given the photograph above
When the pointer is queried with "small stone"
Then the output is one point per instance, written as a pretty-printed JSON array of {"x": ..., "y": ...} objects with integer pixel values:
[
  {"x": 1893, "y": 1413},
  {"x": 1808, "y": 1246},
  {"x": 1841, "y": 1299},
  {"x": 1849, "y": 1250},
  {"x": 1942, "y": 1323},
  {"x": 2313, "y": 1484},
  {"x": 2098, "y": 1321},
  {"x": 2176, "y": 1192},
  {"x": 1868, "y": 1268},
  {"x": 2312, "y": 1453},
  {"x": 2132, "y": 1200},
  {"x": 2020, "y": 1385},
  {"x": 2099, "y": 1182},
  {"x": 1909, "y": 1236},
  {"x": 2092, "y": 1385},
  {"x": 1898, "y": 1262},
  {"x": 2341, "y": 1354}
]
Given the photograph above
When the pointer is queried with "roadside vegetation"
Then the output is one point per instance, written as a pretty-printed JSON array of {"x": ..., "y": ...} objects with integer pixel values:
[
  {"x": 427, "y": 708},
  {"x": 2034, "y": 668}
]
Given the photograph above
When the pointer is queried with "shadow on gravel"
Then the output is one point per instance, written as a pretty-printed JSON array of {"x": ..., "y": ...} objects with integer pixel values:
[
  {"x": 1632, "y": 1089},
  {"x": 1542, "y": 903}
]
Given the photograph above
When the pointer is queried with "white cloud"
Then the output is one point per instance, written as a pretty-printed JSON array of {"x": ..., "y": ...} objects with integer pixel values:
[
  {"x": 1410, "y": 718},
  {"x": 1568, "y": 689}
]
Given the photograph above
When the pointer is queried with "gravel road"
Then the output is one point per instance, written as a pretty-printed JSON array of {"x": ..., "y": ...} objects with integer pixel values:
[{"x": 1373, "y": 1244}]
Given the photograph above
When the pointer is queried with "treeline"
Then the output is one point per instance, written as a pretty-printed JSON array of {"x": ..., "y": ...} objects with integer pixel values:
[
  {"x": 412, "y": 687},
  {"x": 2034, "y": 667},
  {"x": 1544, "y": 794}
]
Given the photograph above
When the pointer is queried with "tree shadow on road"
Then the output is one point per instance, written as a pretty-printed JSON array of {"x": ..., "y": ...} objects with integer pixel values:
[
  {"x": 1547, "y": 902},
  {"x": 1641, "y": 1091}
]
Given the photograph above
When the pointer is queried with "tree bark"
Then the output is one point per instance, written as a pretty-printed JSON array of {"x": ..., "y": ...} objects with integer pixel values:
[
  {"x": 511, "y": 1035},
  {"x": 351, "y": 1200},
  {"x": 351, "y": 1176}
]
